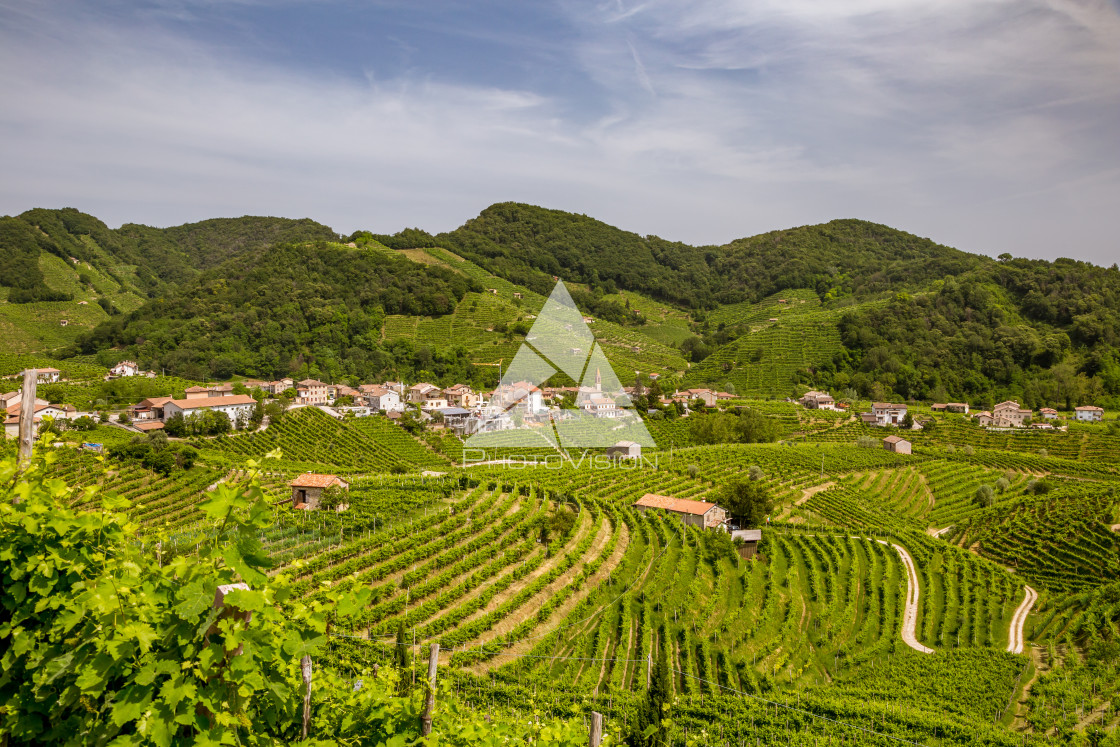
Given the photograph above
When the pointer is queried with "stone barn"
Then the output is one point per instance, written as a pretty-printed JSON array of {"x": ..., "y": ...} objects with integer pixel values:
[
  {"x": 897, "y": 444},
  {"x": 697, "y": 513},
  {"x": 625, "y": 450},
  {"x": 308, "y": 488}
]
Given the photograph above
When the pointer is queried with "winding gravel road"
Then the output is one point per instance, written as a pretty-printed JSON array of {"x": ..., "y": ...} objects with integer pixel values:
[
  {"x": 910, "y": 614},
  {"x": 1015, "y": 637}
]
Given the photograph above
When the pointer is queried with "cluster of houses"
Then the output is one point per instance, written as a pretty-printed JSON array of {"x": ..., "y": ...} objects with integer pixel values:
[
  {"x": 1009, "y": 414},
  {"x": 12, "y": 404},
  {"x": 1006, "y": 414}
]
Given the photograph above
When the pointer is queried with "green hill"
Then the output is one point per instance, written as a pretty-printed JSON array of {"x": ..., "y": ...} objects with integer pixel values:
[
  {"x": 860, "y": 308},
  {"x": 63, "y": 272}
]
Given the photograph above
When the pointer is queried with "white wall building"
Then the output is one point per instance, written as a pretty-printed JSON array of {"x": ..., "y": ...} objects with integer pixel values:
[{"x": 234, "y": 406}]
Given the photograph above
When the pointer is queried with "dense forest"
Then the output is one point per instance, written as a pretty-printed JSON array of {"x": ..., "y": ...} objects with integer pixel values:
[
  {"x": 311, "y": 309},
  {"x": 1047, "y": 333}
]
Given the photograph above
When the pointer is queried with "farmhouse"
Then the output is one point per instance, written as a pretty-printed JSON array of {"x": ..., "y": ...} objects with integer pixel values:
[
  {"x": 697, "y": 513},
  {"x": 887, "y": 414},
  {"x": 149, "y": 409},
  {"x": 308, "y": 488},
  {"x": 1008, "y": 414},
  {"x": 818, "y": 401},
  {"x": 47, "y": 375},
  {"x": 625, "y": 450},
  {"x": 125, "y": 368},
  {"x": 984, "y": 418},
  {"x": 311, "y": 392},
  {"x": 418, "y": 392},
  {"x": 461, "y": 395},
  {"x": 233, "y": 407},
  {"x": 746, "y": 541},
  {"x": 707, "y": 396},
  {"x": 1049, "y": 413},
  {"x": 1088, "y": 413},
  {"x": 961, "y": 408},
  {"x": 897, "y": 444}
]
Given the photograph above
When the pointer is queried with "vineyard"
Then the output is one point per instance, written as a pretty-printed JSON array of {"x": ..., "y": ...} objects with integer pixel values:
[{"x": 881, "y": 604}]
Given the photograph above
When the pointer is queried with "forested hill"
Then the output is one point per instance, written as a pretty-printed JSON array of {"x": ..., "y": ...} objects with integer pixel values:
[
  {"x": 874, "y": 311},
  {"x": 140, "y": 258},
  {"x": 178, "y": 253},
  {"x": 313, "y": 308},
  {"x": 528, "y": 245}
]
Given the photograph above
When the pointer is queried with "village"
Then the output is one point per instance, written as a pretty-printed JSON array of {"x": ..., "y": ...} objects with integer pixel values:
[{"x": 465, "y": 412}]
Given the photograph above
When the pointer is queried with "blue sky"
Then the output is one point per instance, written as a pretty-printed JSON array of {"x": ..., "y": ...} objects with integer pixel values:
[{"x": 985, "y": 124}]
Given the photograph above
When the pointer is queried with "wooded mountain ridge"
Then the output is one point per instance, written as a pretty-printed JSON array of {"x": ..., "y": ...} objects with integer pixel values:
[{"x": 268, "y": 296}]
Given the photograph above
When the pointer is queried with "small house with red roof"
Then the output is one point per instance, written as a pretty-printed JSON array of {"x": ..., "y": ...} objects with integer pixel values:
[
  {"x": 697, "y": 513},
  {"x": 307, "y": 489}
]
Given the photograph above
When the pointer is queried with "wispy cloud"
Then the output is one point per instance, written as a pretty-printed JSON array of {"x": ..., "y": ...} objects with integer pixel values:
[{"x": 983, "y": 123}]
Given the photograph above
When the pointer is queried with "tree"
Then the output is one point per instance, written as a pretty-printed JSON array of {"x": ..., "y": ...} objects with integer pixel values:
[
  {"x": 332, "y": 498},
  {"x": 175, "y": 426},
  {"x": 749, "y": 501},
  {"x": 907, "y": 421},
  {"x": 985, "y": 496}
]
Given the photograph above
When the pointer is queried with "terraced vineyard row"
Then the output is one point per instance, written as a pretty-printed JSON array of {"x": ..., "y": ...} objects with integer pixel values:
[{"x": 310, "y": 436}]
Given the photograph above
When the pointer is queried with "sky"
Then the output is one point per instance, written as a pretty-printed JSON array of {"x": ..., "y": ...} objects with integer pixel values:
[{"x": 989, "y": 125}]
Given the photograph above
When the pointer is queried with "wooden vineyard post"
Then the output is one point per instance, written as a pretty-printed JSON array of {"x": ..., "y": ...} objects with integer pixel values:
[
  {"x": 430, "y": 701},
  {"x": 27, "y": 417},
  {"x": 305, "y": 666},
  {"x": 595, "y": 736}
]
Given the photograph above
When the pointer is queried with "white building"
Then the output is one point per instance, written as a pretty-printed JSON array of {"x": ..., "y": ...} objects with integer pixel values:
[
  {"x": 888, "y": 414},
  {"x": 380, "y": 398},
  {"x": 1088, "y": 413},
  {"x": 234, "y": 406},
  {"x": 47, "y": 375},
  {"x": 125, "y": 368}
]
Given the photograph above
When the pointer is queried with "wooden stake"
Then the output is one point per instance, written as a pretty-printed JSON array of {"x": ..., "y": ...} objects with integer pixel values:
[
  {"x": 305, "y": 666},
  {"x": 595, "y": 736},
  {"x": 430, "y": 702},
  {"x": 27, "y": 418}
]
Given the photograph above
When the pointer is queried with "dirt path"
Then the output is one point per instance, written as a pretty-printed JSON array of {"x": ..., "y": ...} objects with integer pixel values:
[
  {"x": 910, "y": 614},
  {"x": 1015, "y": 636},
  {"x": 938, "y": 532},
  {"x": 806, "y": 494},
  {"x": 557, "y": 617}
]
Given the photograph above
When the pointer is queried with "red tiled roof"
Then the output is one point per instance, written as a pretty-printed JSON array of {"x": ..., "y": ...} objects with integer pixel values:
[
  {"x": 202, "y": 402},
  {"x": 312, "y": 480},
  {"x": 680, "y": 505}
]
